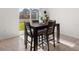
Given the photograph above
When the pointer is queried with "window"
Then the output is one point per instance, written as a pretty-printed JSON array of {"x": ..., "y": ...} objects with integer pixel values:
[
  {"x": 25, "y": 14},
  {"x": 29, "y": 13},
  {"x": 34, "y": 14}
]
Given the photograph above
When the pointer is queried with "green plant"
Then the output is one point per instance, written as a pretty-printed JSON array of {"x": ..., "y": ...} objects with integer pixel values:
[{"x": 21, "y": 25}]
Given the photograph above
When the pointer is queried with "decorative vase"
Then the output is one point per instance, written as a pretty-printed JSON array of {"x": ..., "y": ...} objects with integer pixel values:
[{"x": 45, "y": 21}]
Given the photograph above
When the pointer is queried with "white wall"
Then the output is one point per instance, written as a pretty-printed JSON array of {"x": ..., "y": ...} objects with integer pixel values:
[
  {"x": 8, "y": 22},
  {"x": 42, "y": 10},
  {"x": 68, "y": 19}
]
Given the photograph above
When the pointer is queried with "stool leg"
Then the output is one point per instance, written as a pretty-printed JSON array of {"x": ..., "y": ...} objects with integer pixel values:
[
  {"x": 53, "y": 40},
  {"x": 39, "y": 38},
  {"x": 31, "y": 44},
  {"x": 42, "y": 42},
  {"x": 47, "y": 42},
  {"x": 25, "y": 41}
]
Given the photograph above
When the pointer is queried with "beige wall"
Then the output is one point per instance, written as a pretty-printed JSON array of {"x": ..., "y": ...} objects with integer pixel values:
[
  {"x": 68, "y": 19},
  {"x": 8, "y": 22}
]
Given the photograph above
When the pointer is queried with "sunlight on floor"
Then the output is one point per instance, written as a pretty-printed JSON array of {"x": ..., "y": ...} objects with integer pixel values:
[
  {"x": 22, "y": 36},
  {"x": 70, "y": 44},
  {"x": 65, "y": 42},
  {"x": 21, "y": 32}
]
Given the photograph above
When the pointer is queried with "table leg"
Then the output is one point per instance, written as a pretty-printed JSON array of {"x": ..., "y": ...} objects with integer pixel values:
[
  {"x": 58, "y": 32},
  {"x": 35, "y": 40},
  {"x": 25, "y": 40},
  {"x": 25, "y": 37}
]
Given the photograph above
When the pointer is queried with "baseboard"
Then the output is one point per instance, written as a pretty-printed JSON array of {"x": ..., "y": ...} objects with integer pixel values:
[
  {"x": 9, "y": 37},
  {"x": 69, "y": 36}
]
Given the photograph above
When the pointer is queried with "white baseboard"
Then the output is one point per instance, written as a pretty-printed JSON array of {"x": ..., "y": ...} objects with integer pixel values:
[
  {"x": 9, "y": 36},
  {"x": 69, "y": 36}
]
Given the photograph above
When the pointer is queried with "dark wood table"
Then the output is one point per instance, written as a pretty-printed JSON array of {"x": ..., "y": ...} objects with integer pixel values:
[{"x": 37, "y": 26}]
